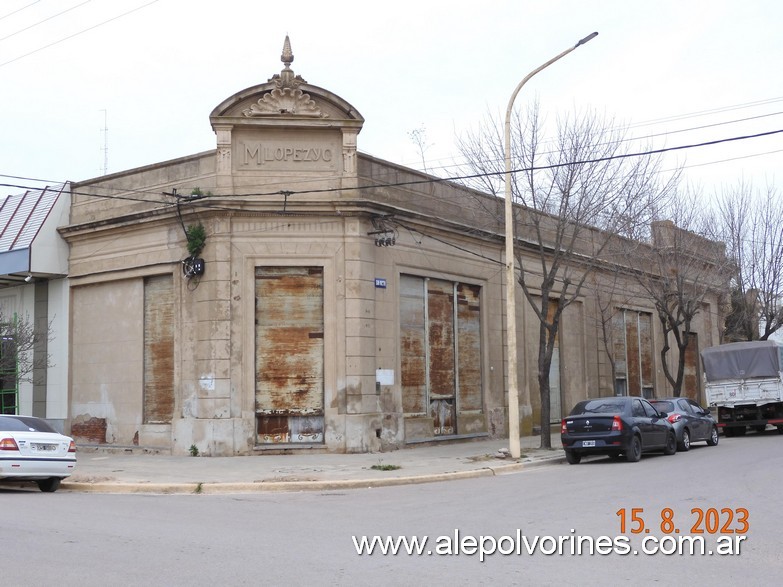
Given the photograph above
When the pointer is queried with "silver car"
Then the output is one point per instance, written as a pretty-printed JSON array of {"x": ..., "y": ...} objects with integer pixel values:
[{"x": 691, "y": 422}]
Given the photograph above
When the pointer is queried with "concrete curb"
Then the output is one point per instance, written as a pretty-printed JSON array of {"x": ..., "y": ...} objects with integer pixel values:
[{"x": 215, "y": 488}]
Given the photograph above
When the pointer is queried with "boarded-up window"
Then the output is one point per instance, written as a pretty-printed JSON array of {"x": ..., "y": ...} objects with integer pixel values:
[
  {"x": 158, "y": 349},
  {"x": 289, "y": 354},
  {"x": 440, "y": 350},
  {"x": 469, "y": 347},
  {"x": 555, "y": 403},
  {"x": 690, "y": 382},
  {"x": 413, "y": 343},
  {"x": 633, "y": 353}
]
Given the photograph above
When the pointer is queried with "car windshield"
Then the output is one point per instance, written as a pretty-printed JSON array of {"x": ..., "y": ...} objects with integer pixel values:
[
  {"x": 602, "y": 406},
  {"x": 664, "y": 406},
  {"x": 24, "y": 424}
]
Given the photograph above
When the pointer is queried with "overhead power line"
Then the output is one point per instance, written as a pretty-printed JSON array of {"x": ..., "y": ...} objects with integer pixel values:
[
  {"x": 429, "y": 180},
  {"x": 27, "y": 28},
  {"x": 19, "y": 9},
  {"x": 95, "y": 26}
]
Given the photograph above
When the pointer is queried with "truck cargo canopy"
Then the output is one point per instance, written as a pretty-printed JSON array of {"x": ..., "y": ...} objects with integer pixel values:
[{"x": 743, "y": 360}]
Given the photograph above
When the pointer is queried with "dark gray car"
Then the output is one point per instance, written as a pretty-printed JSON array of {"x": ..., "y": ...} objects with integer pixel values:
[
  {"x": 616, "y": 426},
  {"x": 691, "y": 422}
]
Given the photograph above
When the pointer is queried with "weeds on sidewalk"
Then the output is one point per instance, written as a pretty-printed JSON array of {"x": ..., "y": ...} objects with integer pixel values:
[{"x": 381, "y": 467}]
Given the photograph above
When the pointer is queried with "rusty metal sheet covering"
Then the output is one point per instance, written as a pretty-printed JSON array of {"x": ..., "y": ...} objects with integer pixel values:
[
  {"x": 412, "y": 341},
  {"x": 469, "y": 347},
  {"x": 289, "y": 341},
  {"x": 632, "y": 340},
  {"x": 617, "y": 334},
  {"x": 646, "y": 349},
  {"x": 158, "y": 349},
  {"x": 290, "y": 429},
  {"x": 440, "y": 330},
  {"x": 443, "y": 416},
  {"x": 690, "y": 383}
]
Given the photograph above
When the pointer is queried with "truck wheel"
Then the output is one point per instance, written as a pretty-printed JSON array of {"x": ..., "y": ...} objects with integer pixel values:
[{"x": 713, "y": 439}]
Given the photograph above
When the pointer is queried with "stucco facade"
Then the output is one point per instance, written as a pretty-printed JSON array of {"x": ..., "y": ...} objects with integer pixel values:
[{"x": 346, "y": 303}]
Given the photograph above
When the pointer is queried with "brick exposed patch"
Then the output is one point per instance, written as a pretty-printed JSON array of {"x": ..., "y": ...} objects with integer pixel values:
[{"x": 89, "y": 430}]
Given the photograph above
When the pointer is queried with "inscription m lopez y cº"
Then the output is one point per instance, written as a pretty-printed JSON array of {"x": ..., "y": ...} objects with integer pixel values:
[{"x": 259, "y": 154}]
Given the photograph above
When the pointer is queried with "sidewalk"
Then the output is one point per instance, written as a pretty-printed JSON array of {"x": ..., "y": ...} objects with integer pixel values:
[{"x": 105, "y": 472}]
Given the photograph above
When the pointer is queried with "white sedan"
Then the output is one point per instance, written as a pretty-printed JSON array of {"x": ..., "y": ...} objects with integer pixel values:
[{"x": 31, "y": 450}]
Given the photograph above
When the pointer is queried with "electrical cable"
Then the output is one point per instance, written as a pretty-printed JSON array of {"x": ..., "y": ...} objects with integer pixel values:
[
  {"x": 27, "y": 28},
  {"x": 19, "y": 9},
  {"x": 77, "y": 34},
  {"x": 435, "y": 180}
]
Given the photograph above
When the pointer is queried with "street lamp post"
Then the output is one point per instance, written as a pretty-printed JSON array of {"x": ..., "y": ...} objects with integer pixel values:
[{"x": 511, "y": 313}]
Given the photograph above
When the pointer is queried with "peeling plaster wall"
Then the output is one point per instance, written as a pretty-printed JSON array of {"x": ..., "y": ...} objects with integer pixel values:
[{"x": 107, "y": 357}]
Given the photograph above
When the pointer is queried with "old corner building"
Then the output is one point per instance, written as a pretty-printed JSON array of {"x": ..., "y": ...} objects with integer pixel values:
[{"x": 339, "y": 302}]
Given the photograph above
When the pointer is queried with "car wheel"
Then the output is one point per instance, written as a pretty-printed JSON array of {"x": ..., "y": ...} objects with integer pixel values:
[
  {"x": 780, "y": 429},
  {"x": 729, "y": 432},
  {"x": 634, "y": 452},
  {"x": 572, "y": 457},
  {"x": 760, "y": 429},
  {"x": 49, "y": 485},
  {"x": 740, "y": 431},
  {"x": 713, "y": 439},
  {"x": 685, "y": 445},
  {"x": 671, "y": 444}
]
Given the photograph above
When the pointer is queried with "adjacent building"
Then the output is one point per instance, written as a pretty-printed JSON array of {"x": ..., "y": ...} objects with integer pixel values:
[{"x": 34, "y": 309}]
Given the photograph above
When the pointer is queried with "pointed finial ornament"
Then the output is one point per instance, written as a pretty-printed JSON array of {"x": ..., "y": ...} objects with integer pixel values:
[
  {"x": 286, "y": 78},
  {"x": 287, "y": 98},
  {"x": 287, "y": 57}
]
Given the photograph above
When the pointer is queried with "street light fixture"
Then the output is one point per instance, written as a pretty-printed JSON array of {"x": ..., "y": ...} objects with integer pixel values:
[{"x": 511, "y": 314}]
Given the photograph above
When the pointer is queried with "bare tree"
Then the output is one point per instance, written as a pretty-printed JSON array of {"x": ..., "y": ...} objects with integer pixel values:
[
  {"x": 21, "y": 351},
  {"x": 611, "y": 293},
  {"x": 574, "y": 194},
  {"x": 752, "y": 227},
  {"x": 681, "y": 268},
  {"x": 419, "y": 138}
]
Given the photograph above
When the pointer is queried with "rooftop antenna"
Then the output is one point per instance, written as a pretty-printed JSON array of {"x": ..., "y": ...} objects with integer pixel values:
[{"x": 105, "y": 149}]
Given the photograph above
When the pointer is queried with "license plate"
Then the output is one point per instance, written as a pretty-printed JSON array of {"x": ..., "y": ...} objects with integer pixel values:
[
  {"x": 44, "y": 447},
  {"x": 588, "y": 443}
]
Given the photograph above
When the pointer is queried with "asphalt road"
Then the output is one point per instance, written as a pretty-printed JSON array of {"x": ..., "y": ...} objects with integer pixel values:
[{"x": 306, "y": 538}]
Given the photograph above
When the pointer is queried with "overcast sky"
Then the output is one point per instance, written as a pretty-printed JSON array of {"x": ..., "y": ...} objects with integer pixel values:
[{"x": 150, "y": 72}]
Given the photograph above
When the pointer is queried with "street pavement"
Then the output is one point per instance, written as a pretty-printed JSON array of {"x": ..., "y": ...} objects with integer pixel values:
[{"x": 102, "y": 470}]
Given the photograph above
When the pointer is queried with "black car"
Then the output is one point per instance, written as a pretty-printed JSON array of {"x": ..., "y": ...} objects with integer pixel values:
[
  {"x": 691, "y": 422},
  {"x": 616, "y": 426}
]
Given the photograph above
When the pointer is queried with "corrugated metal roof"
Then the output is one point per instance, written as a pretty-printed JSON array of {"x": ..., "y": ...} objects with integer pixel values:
[{"x": 23, "y": 215}]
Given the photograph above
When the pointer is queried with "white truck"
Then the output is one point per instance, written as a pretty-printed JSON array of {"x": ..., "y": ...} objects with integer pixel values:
[{"x": 744, "y": 381}]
